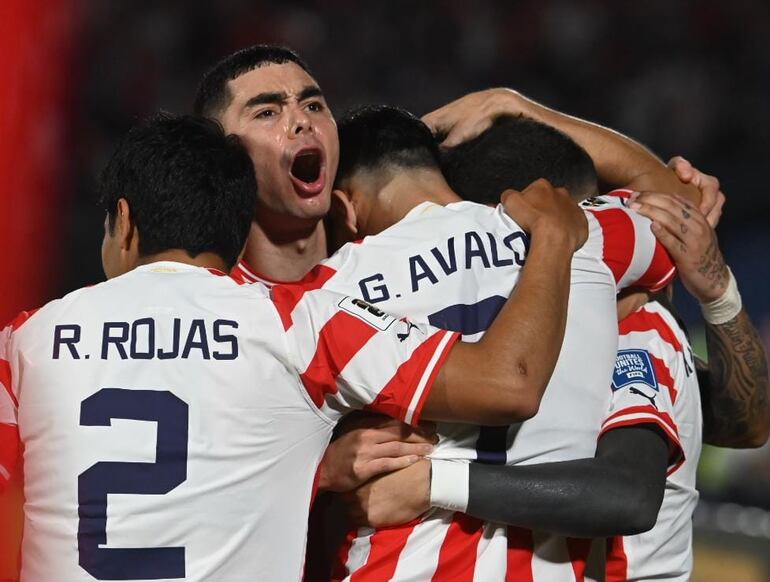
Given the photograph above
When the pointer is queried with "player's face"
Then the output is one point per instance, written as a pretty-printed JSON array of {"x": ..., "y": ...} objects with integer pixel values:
[{"x": 282, "y": 118}]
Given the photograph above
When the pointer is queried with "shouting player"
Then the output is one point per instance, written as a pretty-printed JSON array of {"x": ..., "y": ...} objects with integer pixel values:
[
  {"x": 426, "y": 253},
  {"x": 171, "y": 420}
]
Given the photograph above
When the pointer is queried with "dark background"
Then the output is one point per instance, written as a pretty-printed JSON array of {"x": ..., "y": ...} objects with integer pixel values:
[{"x": 689, "y": 78}]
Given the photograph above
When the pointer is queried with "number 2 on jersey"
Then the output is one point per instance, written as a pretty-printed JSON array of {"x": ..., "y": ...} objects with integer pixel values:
[{"x": 94, "y": 484}]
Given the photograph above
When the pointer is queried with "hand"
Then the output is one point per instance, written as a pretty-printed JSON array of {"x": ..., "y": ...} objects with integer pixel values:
[
  {"x": 689, "y": 239},
  {"x": 712, "y": 198},
  {"x": 393, "y": 499},
  {"x": 369, "y": 445},
  {"x": 467, "y": 117},
  {"x": 542, "y": 208}
]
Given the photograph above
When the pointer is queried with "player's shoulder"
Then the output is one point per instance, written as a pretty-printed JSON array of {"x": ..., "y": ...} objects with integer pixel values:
[
  {"x": 26, "y": 321},
  {"x": 657, "y": 327}
]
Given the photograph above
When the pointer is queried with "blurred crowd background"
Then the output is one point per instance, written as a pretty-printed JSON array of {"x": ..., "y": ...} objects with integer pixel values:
[{"x": 683, "y": 77}]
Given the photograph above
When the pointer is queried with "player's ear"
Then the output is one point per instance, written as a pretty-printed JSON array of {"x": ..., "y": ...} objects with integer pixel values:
[
  {"x": 125, "y": 228},
  {"x": 344, "y": 213}
]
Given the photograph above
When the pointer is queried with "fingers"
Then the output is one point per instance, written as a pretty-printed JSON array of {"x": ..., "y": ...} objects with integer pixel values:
[
  {"x": 676, "y": 224},
  {"x": 388, "y": 465},
  {"x": 713, "y": 215},
  {"x": 683, "y": 168},
  {"x": 712, "y": 198},
  {"x": 399, "y": 449}
]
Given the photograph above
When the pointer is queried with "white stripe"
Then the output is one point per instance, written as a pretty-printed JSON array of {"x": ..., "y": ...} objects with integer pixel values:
[
  {"x": 425, "y": 375},
  {"x": 248, "y": 274},
  {"x": 663, "y": 281},
  {"x": 4, "y": 473},
  {"x": 359, "y": 550},
  {"x": 644, "y": 248},
  {"x": 419, "y": 557}
]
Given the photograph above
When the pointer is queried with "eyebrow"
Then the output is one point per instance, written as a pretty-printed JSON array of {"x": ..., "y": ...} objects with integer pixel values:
[{"x": 281, "y": 97}]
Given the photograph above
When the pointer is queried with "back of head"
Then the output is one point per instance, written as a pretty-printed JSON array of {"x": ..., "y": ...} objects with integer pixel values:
[
  {"x": 513, "y": 153},
  {"x": 213, "y": 96},
  {"x": 188, "y": 187},
  {"x": 379, "y": 136}
]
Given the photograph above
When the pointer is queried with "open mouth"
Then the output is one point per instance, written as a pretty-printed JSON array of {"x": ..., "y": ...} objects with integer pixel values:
[{"x": 306, "y": 171}]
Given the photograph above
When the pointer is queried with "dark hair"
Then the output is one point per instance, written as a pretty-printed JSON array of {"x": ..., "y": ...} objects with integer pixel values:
[
  {"x": 188, "y": 186},
  {"x": 375, "y": 136},
  {"x": 213, "y": 96},
  {"x": 513, "y": 153}
]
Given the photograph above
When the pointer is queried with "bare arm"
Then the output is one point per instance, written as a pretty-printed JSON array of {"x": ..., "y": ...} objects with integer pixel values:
[
  {"x": 501, "y": 379},
  {"x": 620, "y": 161},
  {"x": 735, "y": 388}
]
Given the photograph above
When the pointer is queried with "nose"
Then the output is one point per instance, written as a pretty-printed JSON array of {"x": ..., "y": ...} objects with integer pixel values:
[{"x": 301, "y": 123}]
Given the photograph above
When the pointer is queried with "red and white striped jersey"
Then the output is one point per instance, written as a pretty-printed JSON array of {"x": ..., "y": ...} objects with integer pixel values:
[
  {"x": 172, "y": 422},
  {"x": 655, "y": 382},
  {"x": 454, "y": 266}
]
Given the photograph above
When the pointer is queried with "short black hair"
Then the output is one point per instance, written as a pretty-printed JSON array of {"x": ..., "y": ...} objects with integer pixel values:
[
  {"x": 514, "y": 152},
  {"x": 188, "y": 186},
  {"x": 213, "y": 96},
  {"x": 375, "y": 136}
]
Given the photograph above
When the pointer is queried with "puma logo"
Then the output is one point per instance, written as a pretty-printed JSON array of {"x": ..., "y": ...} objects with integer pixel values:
[{"x": 642, "y": 394}]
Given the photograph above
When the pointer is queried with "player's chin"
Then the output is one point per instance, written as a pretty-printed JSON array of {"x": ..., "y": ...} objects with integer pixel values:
[{"x": 316, "y": 207}]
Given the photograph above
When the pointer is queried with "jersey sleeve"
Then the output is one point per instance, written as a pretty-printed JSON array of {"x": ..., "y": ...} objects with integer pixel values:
[
  {"x": 644, "y": 380},
  {"x": 9, "y": 432},
  {"x": 352, "y": 356},
  {"x": 629, "y": 248}
]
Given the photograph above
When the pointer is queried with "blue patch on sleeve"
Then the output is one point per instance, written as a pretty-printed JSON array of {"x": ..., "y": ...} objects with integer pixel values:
[{"x": 633, "y": 367}]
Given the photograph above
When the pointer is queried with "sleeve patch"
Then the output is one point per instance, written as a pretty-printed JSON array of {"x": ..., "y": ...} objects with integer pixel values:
[
  {"x": 633, "y": 367},
  {"x": 367, "y": 313}
]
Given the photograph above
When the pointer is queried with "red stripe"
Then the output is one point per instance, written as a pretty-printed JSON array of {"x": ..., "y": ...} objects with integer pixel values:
[
  {"x": 6, "y": 380},
  {"x": 644, "y": 320},
  {"x": 664, "y": 376},
  {"x": 341, "y": 338},
  {"x": 520, "y": 550},
  {"x": 457, "y": 557},
  {"x": 286, "y": 297},
  {"x": 660, "y": 272},
  {"x": 393, "y": 400},
  {"x": 578, "y": 549},
  {"x": 619, "y": 239},
  {"x": 617, "y": 562},
  {"x": 417, "y": 414},
  {"x": 644, "y": 409},
  {"x": 22, "y": 318},
  {"x": 9, "y": 449},
  {"x": 340, "y": 569},
  {"x": 386, "y": 547}
]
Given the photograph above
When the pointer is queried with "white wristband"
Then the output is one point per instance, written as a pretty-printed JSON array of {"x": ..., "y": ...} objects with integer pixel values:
[
  {"x": 449, "y": 484},
  {"x": 727, "y": 307}
]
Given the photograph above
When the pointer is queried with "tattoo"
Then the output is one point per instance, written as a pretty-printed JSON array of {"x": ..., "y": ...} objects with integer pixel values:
[
  {"x": 736, "y": 402},
  {"x": 712, "y": 266},
  {"x": 683, "y": 228},
  {"x": 685, "y": 214}
]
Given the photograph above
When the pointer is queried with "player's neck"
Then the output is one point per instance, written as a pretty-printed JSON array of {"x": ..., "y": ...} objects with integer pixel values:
[
  {"x": 206, "y": 260},
  {"x": 285, "y": 254},
  {"x": 406, "y": 190}
]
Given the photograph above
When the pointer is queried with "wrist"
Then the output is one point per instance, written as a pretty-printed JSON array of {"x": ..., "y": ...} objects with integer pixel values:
[
  {"x": 449, "y": 484},
  {"x": 726, "y": 307},
  {"x": 552, "y": 233}
]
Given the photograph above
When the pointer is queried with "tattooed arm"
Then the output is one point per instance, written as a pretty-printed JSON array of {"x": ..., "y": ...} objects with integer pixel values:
[
  {"x": 735, "y": 389},
  {"x": 734, "y": 385}
]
